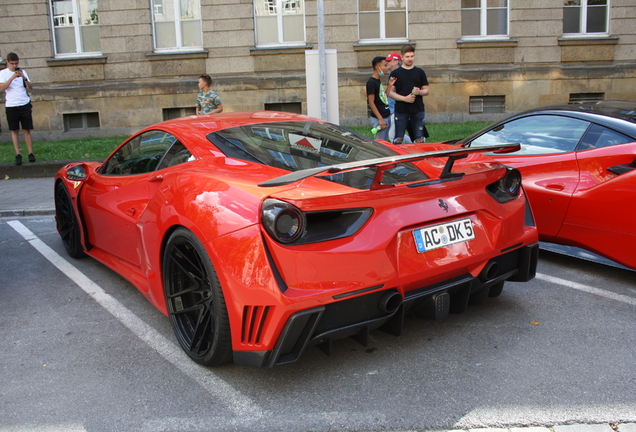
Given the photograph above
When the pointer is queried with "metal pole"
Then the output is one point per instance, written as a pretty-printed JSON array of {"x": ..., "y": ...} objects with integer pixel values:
[{"x": 322, "y": 60}]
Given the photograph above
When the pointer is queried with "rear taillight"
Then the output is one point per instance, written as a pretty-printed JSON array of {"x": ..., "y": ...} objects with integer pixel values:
[
  {"x": 283, "y": 221},
  {"x": 508, "y": 187},
  {"x": 287, "y": 224}
]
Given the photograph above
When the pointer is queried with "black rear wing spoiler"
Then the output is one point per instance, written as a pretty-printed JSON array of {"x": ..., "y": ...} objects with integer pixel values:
[{"x": 452, "y": 154}]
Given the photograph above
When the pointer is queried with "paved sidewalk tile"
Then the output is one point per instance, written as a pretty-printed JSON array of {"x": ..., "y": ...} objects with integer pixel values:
[
  {"x": 584, "y": 428},
  {"x": 530, "y": 429},
  {"x": 26, "y": 197}
]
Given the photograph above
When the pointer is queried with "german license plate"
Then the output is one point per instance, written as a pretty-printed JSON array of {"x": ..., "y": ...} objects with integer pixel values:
[{"x": 446, "y": 234}]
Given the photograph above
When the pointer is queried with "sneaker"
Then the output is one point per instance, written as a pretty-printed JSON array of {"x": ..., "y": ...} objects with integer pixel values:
[
  {"x": 31, "y": 157},
  {"x": 18, "y": 159}
]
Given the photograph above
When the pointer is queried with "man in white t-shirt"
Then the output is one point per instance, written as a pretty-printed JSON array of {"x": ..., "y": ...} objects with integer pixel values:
[{"x": 15, "y": 82}]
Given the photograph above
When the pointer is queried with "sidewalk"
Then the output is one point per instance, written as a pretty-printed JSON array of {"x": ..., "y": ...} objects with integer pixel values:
[
  {"x": 27, "y": 197},
  {"x": 27, "y": 189}
]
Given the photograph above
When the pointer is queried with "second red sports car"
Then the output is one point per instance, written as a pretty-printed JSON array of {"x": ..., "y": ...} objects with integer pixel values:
[{"x": 578, "y": 163}]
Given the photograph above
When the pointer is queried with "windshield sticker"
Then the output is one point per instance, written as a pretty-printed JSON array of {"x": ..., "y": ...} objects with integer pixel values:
[{"x": 302, "y": 142}]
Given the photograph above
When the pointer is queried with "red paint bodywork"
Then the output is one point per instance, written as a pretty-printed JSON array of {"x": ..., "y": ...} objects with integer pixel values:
[
  {"x": 126, "y": 221},
  {"x": 578, "y": 202}
]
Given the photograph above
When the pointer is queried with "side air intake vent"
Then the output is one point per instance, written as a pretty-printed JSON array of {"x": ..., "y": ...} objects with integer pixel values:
[{"x": 254, "y": 318}]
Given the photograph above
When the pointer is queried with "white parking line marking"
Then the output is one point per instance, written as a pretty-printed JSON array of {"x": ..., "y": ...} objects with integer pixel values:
[
  {"x": 221, "y": 390},
  {"x": 587, "y": 289}
]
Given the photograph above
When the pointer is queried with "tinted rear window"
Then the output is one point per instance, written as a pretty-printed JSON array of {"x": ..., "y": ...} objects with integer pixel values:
[{"x": 295, "y": 146}]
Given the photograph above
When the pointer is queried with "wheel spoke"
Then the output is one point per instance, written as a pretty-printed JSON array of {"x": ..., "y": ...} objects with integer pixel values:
[
  {"x": 180, "y": 259},
  {"x": 203, "y": 330},
  {"x": 65, "y": 231}
]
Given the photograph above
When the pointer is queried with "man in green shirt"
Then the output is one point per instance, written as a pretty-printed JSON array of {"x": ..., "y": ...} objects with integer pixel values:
[{"x": 208, "y": 102}]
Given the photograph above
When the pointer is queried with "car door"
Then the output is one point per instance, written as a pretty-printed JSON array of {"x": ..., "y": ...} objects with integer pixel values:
[
  {"x": 601, "y": 215},
  {"x": 114, "y": 199},
  {"x": 547, "y": 162}
]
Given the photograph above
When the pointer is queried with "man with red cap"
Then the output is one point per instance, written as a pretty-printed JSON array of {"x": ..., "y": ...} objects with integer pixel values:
[{"x": 393, "y": 62}]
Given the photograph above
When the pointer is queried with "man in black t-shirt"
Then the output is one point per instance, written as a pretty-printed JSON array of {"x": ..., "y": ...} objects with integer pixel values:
[
  {"x": 379, "y": 113},
  {"x": 410, "y": 87}
]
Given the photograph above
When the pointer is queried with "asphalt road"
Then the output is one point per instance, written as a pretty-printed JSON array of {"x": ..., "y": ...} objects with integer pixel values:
[{"x": 82, "y": 350}]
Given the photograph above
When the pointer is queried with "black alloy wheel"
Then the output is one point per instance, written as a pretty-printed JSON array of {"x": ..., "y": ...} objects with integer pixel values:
[
  {"x": 196, "y": 305},
  {"x": 66, "y": 221}
]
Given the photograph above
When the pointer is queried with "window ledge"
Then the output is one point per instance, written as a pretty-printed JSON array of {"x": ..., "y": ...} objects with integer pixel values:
[
  {"x": 283, "y": 49},
  {"x": 76, "y": 61},
  {"x": 176, "y": 55},
  {"x": 487, "y": 43},
  {"x": 373, "y": 44},
  {"x": 583, "y": 40}
]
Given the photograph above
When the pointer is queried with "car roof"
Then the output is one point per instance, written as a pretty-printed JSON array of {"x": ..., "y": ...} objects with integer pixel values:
[
  {"x": 211, "y": 123},
  {"x": 624, "y": 110},
  {"x": 617, "y": 115}
]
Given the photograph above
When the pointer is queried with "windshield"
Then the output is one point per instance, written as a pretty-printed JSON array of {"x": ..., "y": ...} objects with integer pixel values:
[
  {"x": 537, "y": 134},
  {"x": 295, "y": 146}
]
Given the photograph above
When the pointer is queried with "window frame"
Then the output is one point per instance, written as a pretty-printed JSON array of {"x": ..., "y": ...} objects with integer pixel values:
[
  {"x": 488, "y": 104},
  {"x": 584, "y": 10},
  {"x": 178, "y": 21},
  {"x": 77, "y": 27},
  {"x": 483, "y": 22},
  {"x": 382, "y": 12},
  {"x": 68, "y": 119},
  {"x": 499, "y": 134},
  {"x": 123, "y": 156},
  {"x": 279, "y": 5}
]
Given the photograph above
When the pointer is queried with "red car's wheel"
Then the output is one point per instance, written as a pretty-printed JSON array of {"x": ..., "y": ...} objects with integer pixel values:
[
  {"x": 195, "y": 300},
  {"x": 66, "y": 221}
]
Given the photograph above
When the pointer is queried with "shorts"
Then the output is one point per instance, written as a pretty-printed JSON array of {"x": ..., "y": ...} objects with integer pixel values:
[{"x": 20, "y": 115}]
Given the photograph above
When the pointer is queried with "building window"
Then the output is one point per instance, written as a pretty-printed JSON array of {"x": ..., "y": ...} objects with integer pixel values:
[
  {"x": 290, "y": 107},
  {"x": 586, "y": 97},
  {"x": 173, "y": 113},
  {"x": 177, "y": 24},
  {"x": 75, "y": 27},
  {"x": 581, "y": 17},
  {"x": 81, "y": 121},
  {"x": 279, "y": 22},
  {"x": 487, "y": 104},
  {"x": 485, "y": 18},
  {"x": 382, "y": 19}
]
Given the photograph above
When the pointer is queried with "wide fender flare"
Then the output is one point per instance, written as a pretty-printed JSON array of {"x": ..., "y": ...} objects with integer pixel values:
[{"x": 210, "y": 209}]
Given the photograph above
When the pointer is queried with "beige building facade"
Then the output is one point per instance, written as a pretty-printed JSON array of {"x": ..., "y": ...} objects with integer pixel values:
[{"x": 105, "y": 67}]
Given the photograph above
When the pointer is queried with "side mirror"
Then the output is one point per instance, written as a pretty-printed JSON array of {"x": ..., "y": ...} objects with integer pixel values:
[{"x": 76, "y": 173}]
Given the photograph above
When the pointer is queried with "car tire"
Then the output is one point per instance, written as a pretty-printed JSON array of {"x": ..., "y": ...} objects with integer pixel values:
[
  {"x": 66, "y": 221},
  {"x": 195, "y": 301}
]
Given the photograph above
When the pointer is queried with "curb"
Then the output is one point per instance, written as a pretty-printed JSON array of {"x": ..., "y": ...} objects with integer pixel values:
[
  {"x": 27, "y": 212},
  {"x": 35, "y": 169}
]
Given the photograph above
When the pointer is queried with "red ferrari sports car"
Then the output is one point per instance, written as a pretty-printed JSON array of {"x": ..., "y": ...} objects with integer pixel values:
[
  {"x": 579, "y": 170},
  {"x": 260, "y": 234}
]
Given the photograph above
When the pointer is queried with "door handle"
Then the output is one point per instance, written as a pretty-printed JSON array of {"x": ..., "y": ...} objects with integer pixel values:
[{"x": 555, "y": 186}]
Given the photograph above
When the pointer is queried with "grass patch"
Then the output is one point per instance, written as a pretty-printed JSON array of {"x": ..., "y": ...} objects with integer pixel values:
[
  {"x": 100, "y": 148},
  {"x": 73, "y": 149},
  {"x": 438, "y": 131}
]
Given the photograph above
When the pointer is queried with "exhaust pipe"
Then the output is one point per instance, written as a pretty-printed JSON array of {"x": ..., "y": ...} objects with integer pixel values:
[
  {"x": 489, "y": 272},
  {"x": 390, "y": 301}
]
